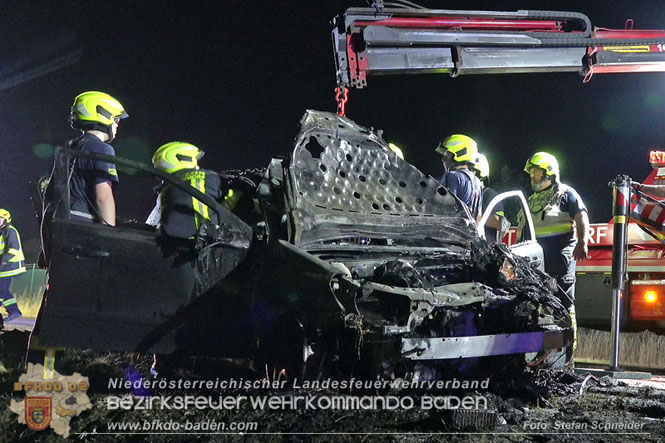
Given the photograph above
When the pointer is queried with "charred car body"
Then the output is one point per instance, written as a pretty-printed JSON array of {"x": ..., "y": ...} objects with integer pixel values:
[
  {"x": 341, "y": 249},
  {"x": 340, "y": 252}
]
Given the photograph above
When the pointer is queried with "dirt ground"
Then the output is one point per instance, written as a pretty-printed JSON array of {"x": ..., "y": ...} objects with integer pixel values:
[{"x": 543, "y": 406}]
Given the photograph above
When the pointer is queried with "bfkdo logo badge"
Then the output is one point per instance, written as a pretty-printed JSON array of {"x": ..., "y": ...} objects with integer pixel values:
[{"x": 38, "y": 412}]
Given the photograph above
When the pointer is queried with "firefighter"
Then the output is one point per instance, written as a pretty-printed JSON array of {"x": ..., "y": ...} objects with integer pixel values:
[
  {"x": 181, "y": 216},
  {"x": 177, "y": 215},
  {"x": 12, "y": 263},
  {"x": 459, "y": 153},
  {"x": 396, "y": 149},
  {"x": 562, "y": 224},
  {"x": 96, "y": 115},
  {"x": 497, "y": 222}
]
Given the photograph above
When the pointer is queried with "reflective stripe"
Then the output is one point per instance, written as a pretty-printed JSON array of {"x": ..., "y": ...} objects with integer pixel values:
[
  {"x": 82, "y": 214},
  {"x": 548, "y": 219},
  {"x": 202, "y": 212},
  {"x": 11, "y": 301},
  {"x": 17, "y": 255},
  {"x": 546, "y": 231},
  {"x": 231, "y": 199},
  {"x": 196, "y": 184},
  {"x": 49, "y": 364},
  {"x": 13, "y": 272}
]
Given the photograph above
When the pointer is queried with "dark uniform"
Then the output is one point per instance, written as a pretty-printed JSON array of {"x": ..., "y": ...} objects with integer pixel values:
[
  {"x": 467, "y": 187},
  {"x": 12, "y": 263},
  {"x": 181, "y": 214},
  {"x": 87, "y": 174}
]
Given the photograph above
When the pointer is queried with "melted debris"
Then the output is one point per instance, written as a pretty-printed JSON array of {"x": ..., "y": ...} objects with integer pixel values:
[
  {"x": 527, "y": 282},
  {"x": 543, "y": 406}
]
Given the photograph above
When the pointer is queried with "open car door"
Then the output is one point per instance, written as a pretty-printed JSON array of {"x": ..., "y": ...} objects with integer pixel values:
[
  {"x": 528, "y": 247},
  {"x": 125, "y": 288}
]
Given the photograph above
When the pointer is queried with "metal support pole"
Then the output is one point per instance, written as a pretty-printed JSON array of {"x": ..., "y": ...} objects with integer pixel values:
[{"x": 620, "y": 211}]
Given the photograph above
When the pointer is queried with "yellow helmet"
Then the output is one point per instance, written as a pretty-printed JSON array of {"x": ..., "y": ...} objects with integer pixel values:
[
  {"x": 6, "y": 215},
  {"x": 543, "y": 160},
  {"x": 482, "y": 166},
  {"x": 94, "y": 108},
  {"x": 463, "y": 148},
  {"x": 396, "y": 149},
  {"x": 174, "y": 156}
]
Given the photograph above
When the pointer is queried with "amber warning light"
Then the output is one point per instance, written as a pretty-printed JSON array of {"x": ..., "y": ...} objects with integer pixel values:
[
  {"x": 657, "y": 158},
  {"x": 650, "y": 296},
  {"x": 647, "y": 303}
]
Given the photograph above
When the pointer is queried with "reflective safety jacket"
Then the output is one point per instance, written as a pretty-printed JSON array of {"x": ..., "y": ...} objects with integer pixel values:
[
  {"x": 12, "y": 260},
  {"x": 553, "y": 211},
  {"x": 182, "y": 215}
]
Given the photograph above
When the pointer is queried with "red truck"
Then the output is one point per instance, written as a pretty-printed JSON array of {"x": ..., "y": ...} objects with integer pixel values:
[
  {"x": 385, "y": 41},
  {"x": 644, "y": 304}
]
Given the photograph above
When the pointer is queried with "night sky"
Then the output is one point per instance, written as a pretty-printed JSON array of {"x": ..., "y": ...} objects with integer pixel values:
[{"x": 234, "y": 78}]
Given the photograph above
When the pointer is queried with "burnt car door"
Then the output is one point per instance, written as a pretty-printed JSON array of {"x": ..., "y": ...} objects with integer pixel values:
[{"x": 125, "y": 287}]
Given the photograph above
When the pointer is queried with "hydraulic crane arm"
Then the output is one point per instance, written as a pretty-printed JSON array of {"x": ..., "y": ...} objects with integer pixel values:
[{"x": 370, "y": 41}]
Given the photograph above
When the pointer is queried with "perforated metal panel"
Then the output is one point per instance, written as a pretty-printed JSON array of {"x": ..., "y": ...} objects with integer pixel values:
[{"x": 344, "y": 176}]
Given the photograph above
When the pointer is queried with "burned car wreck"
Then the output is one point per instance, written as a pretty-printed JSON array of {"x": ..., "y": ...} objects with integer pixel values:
[{"x": 342, "y": 255}]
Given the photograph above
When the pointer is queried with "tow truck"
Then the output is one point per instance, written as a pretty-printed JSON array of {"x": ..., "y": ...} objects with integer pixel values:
[
  {"x": 643, "y": 307},
  {"x": 396, "y": 41},
  {"x": 379, "y": 41},
  {"x": 341, "y": 238}
]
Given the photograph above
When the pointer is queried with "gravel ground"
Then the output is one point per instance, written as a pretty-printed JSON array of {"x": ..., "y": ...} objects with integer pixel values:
[{"x": 545, "y": 406}]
